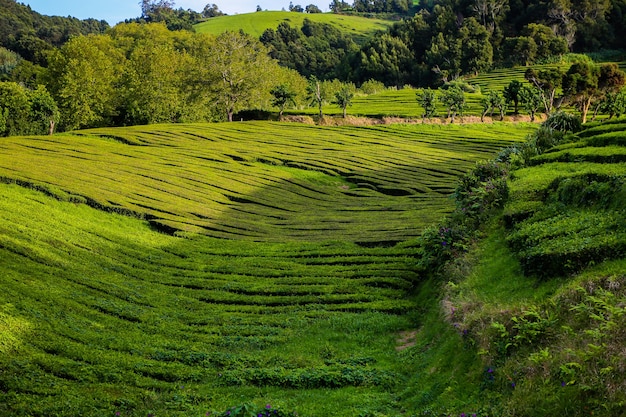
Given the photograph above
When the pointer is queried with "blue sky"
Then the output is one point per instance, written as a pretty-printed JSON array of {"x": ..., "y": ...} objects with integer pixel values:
[{"x": 114, "y": 11}]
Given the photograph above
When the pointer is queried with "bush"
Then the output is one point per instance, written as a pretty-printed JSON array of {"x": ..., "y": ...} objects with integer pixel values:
[
  {"x": 372, "y": 87},
  {"x": 563, "y": 122}
]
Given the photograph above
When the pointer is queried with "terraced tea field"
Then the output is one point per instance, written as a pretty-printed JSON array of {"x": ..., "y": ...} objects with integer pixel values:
[
  {"x": 276, "y": 281},
  {"x": 262, "y": 181}
]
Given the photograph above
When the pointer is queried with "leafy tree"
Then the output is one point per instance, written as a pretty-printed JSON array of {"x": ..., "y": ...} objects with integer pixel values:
[
  {"x": 44, "y": 112},
  {"x": 614, "y": 104},
  {"x": 444, "y": 56},
  {"x": 243, "y": 70},
  {"x": 548, "y": 44},
  {"x": 477, "y": 52},
  {"x": 531, "y": 98},
  {"x": 386, "y": 59},
  {"x": 497, "y": 102},
  {"x": 312, "y": 8},
  {"x": 282, "y": 95},
  {"x": 490, "y": 12},
  {"x": 152, "y": 84},
  {"x": 343, "y": 97},
  {"x": 338, "y": 6},
  {"x": 520, "y": 50},
  {"x": 427, "y": 99},
  {"x": 83, "y": 79},
  {"x": 580, "y": 84},
  {"x": 548, "y": 82},
  {"x": 211, "y": 10},
  {"x": 14, "y": 109},
  {"x": 512, "y": 94},
  {"x": 315, "y": 49},
  {"x": 493, "y": 101},
  {"x": 8, "y": 61},
  {"x": 453, "y": 98}
]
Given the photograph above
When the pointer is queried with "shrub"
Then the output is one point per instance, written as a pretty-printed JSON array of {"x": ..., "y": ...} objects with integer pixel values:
[
  {"x": 372, "y": 87},
  {"x": 563, "y": 122}
]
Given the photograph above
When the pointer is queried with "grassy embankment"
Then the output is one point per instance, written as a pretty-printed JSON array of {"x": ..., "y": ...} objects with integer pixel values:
[
  {"x": 276, "y": 282},
  {"x": 538, "y": 305}
]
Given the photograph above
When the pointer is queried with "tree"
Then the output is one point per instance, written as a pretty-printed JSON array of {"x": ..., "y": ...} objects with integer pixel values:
[
  {"x": 311, "y": 8},
  {"x": 614, "y": 104},
  {"x": 211, "y": 10},
  {"x": 83, "y": 79},
  {"x": 427, "y": 99},
  {"x": 8, "y": 61},
  {"x": 444, "y": 56},
  {"x": 477, "y": 52},
  {"x": 316, "y": 94},
  {"x": 283, "y": 95},
  {"x": 385, "y": 58},
  {"x": 338, "y": 6},
  {"x": 512, "y": 94},
  {"x": 242, "y": 68},
  {"x": 14, "y": 109},
  {"x": 490, "y": 12},
  {"x": 520, "y": 50},
  {"x": 580, "y": 84},
  {"x": 548, "y": 82},
  {"x": 585, "y": 82},
  {"x": 531, "y": 99},
  {"x": 152, "y": 8},
  {"x": 343, "y": 97},
  {"x": 453, "y": 98},
  {"x": 498, "y": 102},
  {"x": 547, "y": 43},
  {"x": 152, "y": 84},
  {"x": 493, "y": 101},
  {"x": 44, "y": 112}
]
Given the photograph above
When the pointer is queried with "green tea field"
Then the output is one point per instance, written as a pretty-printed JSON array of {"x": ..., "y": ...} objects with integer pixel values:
[
  {"x": 254, "y": 24},
  {"x": 177, "y": 270}
]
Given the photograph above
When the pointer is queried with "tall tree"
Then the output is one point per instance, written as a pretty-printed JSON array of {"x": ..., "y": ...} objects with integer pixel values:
[
  {"x": 427, "y": 99},
  {"x": 531, "y": 99},
  {"x": 316, "y": 94},
  {"x": 83, "y": 77},
  {"x": 14, "y": 109},
  {"x": 580, "y": 84},
  {"x": 44, "y": 112},
  {"x": 585, "y": 82},
  {"x": 453, "y": 98},
  {"x": 477, "y": 52},
  {"x": 343, "y": 97},
  {"x": 243, "y": 70},
  {"x": 548, "y": 82},
  {"x": 282, "y": 95},
  {"x": 386, "y": 59},
  {"x": 512, "y": 94}
]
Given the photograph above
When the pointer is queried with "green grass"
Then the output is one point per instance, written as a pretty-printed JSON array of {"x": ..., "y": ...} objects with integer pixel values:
[
  {"x": 254, "y": 24},
  {"x": 278, "y": 280}
]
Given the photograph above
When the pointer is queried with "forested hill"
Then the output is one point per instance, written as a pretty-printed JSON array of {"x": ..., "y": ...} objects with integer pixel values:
[{"x": 29, "y": 33}]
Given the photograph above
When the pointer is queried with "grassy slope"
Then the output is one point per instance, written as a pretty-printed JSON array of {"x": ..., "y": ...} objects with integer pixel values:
[
  {"x": 101, "y": 314},
  {"x": 548, "y": 342},
  {"x": 263, "y": 181},
  {"x": 256, "y": 23}
]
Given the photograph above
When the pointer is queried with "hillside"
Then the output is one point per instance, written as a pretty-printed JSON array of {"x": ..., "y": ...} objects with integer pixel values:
[
  {"x": 536, "y": 307},
  {"x": 279, "y": 286},
  {"x": 254, "y": 24}
]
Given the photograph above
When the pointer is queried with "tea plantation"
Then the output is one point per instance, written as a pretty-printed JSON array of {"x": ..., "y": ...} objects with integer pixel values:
[
  {"x": 279, "y": 268},
  {"x": 183, "y": 269}
]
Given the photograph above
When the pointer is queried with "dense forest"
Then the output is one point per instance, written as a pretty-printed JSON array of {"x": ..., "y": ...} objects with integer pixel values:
[{"x": 65, "y": 73}]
